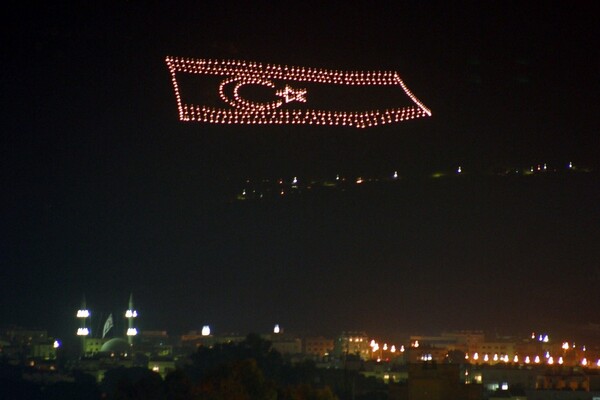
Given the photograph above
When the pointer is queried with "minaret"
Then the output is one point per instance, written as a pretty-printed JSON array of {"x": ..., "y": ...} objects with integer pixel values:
[
  {"x": 83, "y": 314},
  {"x": 131, "y": 314}
]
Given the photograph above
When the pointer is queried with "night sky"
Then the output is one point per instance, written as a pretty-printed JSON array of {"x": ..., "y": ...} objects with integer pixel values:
[{"x": 105, "y": 192}]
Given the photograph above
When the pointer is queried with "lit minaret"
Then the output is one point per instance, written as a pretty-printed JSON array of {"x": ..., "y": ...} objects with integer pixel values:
[
  {"x": 83, "y": 314},
  {"x": 130, "y": 314}
]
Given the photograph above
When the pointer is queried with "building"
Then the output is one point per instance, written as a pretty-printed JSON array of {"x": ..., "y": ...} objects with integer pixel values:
[
  {"x": 352, "y": 343},
  {"x": 433, "y": 381},
  {"x": 317, "y": 347},
  {"x": 27, "y": 346},
  {"x": 92, "y": 346}
]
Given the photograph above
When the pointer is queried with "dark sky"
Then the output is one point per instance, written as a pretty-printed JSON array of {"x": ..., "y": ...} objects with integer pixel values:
[{"x": 105, "y": 192}]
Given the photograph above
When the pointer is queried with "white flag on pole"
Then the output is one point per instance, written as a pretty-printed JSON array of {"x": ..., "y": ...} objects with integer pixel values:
[{"x": 107, "y": 325}]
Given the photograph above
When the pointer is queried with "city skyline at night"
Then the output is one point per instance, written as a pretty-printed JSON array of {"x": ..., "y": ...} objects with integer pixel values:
[{"x": 483, "y": 215}]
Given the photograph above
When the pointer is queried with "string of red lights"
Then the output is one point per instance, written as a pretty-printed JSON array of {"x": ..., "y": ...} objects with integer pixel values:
[{"x": 248, "y": 112}]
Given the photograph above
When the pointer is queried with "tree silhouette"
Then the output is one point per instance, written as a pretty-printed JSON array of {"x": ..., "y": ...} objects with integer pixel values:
[{"x": 241, "y": 380}]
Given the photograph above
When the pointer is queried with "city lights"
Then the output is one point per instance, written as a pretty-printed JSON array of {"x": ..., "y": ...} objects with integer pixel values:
[
  {"x": 83, "y": 331},
  {"x": 131, "y": 314},
  {"x": 205, "y": 330},
  {"x": 507, "y": 353},
  {"x": 289, "y": 94},
  {"x": 243, "y": 111}
]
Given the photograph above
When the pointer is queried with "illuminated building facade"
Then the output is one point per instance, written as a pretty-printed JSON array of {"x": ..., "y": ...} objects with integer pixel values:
[
  {"x": 93, "y": 345},
  {"x": 317, "y": 346},
  {"x": 352, "y": 343},
  {"x": 287, "y": 345},
  {"x": 434, "y": 381},
  {"x": 27, "y": 345}
]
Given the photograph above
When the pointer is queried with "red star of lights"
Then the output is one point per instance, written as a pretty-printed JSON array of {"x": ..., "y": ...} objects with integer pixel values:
[
  {"x": 291, "y": 94},
  {"x": 244, "y": 111}
]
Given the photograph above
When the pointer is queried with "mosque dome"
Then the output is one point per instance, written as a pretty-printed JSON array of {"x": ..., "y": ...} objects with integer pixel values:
[{"x": 115, "y": 345}]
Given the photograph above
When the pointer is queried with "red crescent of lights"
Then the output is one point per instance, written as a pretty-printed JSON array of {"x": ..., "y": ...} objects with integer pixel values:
[{"x": 239, "y": 102}]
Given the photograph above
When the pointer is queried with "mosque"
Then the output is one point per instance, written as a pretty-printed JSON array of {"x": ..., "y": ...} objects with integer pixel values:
[
  {"x": 113, "y": 344},
  {"x": 108, "y": 343}
]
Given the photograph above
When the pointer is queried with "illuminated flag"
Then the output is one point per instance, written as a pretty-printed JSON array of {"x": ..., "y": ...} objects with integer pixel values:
[
  {"x": 242, "y": 92},
  {"x": 107, "y": 325}
]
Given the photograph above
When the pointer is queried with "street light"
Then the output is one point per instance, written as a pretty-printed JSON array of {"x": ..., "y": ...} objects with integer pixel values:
[{"x": 206, "y": 330}]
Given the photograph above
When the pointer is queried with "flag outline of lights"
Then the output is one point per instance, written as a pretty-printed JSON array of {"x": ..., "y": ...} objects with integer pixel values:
[{"x": 247, "y": 112}]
